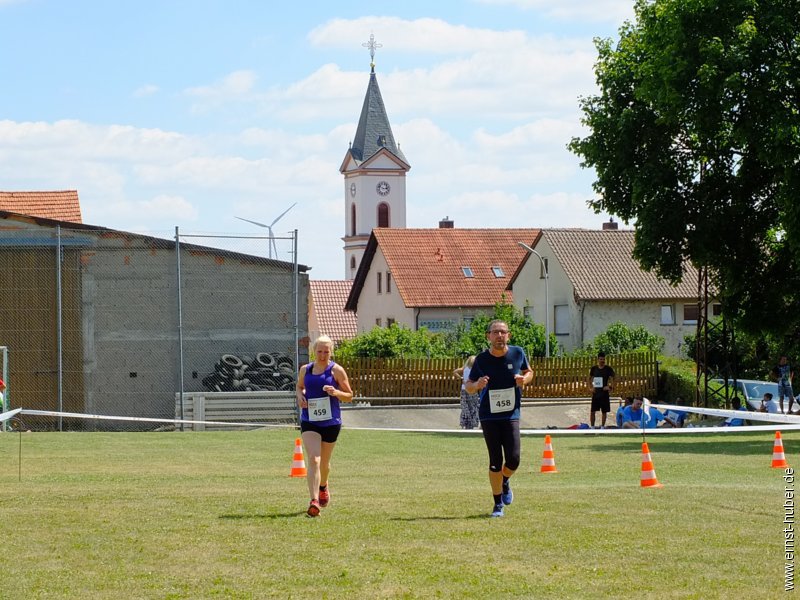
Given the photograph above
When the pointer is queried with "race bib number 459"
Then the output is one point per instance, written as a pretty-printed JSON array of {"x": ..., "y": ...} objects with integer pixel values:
[
  {"x": 501, "y": 401},
  {"x": 319, "y": 409}
]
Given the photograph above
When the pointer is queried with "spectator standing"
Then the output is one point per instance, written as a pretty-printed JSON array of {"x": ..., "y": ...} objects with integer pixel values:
[
  {"x": 601, "y": 382},
  {"x": 469, "y": 402},
  {"x": 785, "y": 375}
]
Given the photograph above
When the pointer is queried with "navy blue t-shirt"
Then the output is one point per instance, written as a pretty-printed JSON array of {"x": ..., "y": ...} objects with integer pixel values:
[{"x": 502, "y": 392}]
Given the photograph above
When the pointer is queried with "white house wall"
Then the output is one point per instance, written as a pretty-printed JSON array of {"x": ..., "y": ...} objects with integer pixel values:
[
  {"x": 599, "y": 315},
  {"x": 447, "y": 318},
  {"x": 529, "y": 289},
  {"x": 383, "y": 306}
]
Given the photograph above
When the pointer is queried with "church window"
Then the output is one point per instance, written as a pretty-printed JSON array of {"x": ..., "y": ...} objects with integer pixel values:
[
  {"x": 352, "y": 263},
  {"x": 383, "y": 215},
  {"x": 352, "y": 219}
]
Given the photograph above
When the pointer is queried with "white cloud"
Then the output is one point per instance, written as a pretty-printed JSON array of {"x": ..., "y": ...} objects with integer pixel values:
[
  {"x": 604, "y": 11},
  {"x": 236, "y": 86},
  {"x": 146, "y": 90},
  {"x": 161, "y": 209},
  {"x": 418, "y": 35}
]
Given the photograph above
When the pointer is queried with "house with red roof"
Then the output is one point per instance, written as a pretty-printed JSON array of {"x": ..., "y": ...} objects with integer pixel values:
[
  {"x": 58, "y": 206},
  {"x": 588, "y": 279},
  {"x": 326, "y": 313},
  {"x": 435, "y": 278}
]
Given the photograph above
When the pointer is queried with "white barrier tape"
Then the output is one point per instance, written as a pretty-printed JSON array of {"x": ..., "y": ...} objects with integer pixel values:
[
  {"x": 52, "y": 413},
  {"x": 736, "y": 414},
  {"x": 637, "y": 431},
  {"x": 9, "y": 414}
]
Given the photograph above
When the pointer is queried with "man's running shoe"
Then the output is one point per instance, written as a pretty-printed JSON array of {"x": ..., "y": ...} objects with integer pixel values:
[
  {"x": 324, "y": 497},
  {"x": 507, "y": 496},
  {"x": 313, "y": 509},
  {"x": 498, "y": 510}
]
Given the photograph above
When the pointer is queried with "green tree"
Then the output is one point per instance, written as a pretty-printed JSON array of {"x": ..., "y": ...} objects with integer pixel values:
[
  {"x": 524, "y": 332},
  {"x": 400, "y": 341},
  {"x": 749, "y": 356},
  {"x": 620, "y": 337},
  {"x": 395, "y": 341},
  {"x": 695, "y": 137}
]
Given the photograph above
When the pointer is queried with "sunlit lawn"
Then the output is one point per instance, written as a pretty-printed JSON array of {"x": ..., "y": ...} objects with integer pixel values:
[{"x": 205, "y": 515}]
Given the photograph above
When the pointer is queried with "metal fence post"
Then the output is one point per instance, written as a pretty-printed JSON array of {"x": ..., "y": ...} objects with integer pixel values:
[
  {"x": 180, "y": 317},
  {"x": 59, "y": 329}
]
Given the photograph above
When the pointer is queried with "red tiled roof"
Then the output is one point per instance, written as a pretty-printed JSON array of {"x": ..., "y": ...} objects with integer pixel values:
[
  {"x": 426, "y": 264},
  {"x": 600, "y": 266},
  {"x": 329, "y": 297},
  {"x": 59, "y": 206}
]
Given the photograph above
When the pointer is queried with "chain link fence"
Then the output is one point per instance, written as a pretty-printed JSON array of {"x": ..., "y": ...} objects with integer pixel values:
[{"x": 104, "y": 322}]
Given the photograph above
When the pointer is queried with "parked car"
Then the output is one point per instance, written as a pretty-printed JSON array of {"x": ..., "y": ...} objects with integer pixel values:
[{"x": 753, "y": 391}]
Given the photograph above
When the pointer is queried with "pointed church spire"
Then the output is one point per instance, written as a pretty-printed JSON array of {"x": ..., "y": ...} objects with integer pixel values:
[{"x": 373, "y": 131}]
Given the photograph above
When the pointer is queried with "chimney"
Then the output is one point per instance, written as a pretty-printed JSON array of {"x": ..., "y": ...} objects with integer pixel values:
[
  {"x": 611, "y": 225},
  {"x": 446, "y": 223}
]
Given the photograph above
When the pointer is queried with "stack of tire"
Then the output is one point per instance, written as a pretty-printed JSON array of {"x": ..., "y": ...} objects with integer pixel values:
[{"x": 269, "y": 371}]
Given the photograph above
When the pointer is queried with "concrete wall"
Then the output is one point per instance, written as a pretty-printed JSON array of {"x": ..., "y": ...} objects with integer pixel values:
[{"x": 230, "y": 303}]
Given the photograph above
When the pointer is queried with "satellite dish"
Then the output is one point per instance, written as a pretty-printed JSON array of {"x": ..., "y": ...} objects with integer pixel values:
[{"x": 271, "y": 243}]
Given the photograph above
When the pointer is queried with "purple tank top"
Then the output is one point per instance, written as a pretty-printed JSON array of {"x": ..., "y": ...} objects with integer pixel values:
[{"x": 314, "y": 384}]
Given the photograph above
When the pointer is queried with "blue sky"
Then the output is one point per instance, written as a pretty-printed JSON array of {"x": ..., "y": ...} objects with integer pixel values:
[{"x": 185, "y": 113}]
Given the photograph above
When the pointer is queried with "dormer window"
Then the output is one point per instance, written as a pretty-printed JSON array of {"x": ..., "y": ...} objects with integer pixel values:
[
  {"x": 467, "y": 272},
  {"x": 381, "y": 140},
  {"x": 498, "y": 272}
]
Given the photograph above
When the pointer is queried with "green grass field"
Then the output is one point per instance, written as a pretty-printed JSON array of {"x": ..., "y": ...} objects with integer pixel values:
[{"x": 215, "y": 515}]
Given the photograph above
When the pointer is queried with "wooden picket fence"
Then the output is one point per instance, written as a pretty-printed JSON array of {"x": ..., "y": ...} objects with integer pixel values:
[{"x": 427, "y": 380}]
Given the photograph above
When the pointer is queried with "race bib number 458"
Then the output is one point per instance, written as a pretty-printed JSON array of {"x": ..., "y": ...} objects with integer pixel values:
[
  {"x": 319, "y": 409},
  {"x": 501, "y": 401}
]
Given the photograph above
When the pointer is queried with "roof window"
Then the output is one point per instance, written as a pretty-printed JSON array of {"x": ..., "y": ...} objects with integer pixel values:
[
  {"x": 498, "y": 272},
  {"x": 467, "y": 272}
]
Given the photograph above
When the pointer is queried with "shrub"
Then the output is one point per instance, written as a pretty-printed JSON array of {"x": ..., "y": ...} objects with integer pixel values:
[{"x": 619, "y": 338}]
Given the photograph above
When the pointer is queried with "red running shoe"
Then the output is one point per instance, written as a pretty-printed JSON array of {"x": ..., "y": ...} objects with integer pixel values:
[
  {"x": 313, "y": 509},
  {"x": 324, "y": 497}
]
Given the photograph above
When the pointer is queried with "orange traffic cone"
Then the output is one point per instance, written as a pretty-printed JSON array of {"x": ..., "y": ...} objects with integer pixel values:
[
  {"x": 548, "y": 459},
  {"x": 778, "y": 457},
  {"x": 649, "y": 478},
  {"x": 298, "y": 463}
]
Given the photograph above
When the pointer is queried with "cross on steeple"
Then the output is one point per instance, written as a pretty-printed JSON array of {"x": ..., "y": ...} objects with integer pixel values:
[{"x": 372, "y": 44}]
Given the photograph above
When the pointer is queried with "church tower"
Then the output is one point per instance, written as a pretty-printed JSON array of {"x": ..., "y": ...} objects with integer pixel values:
[{"x": 374, "y": 170}]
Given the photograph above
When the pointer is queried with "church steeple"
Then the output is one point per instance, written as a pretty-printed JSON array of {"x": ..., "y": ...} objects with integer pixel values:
[
  {"x": 373, "y": 131},
  {"x": 374, "y": 170}
]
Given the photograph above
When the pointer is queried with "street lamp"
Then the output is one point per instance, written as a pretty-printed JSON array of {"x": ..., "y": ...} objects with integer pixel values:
[{"x": 546, "y": 309}]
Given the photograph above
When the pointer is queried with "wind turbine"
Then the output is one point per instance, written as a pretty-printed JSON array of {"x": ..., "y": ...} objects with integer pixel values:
[{"x": 271, "y": 243}]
